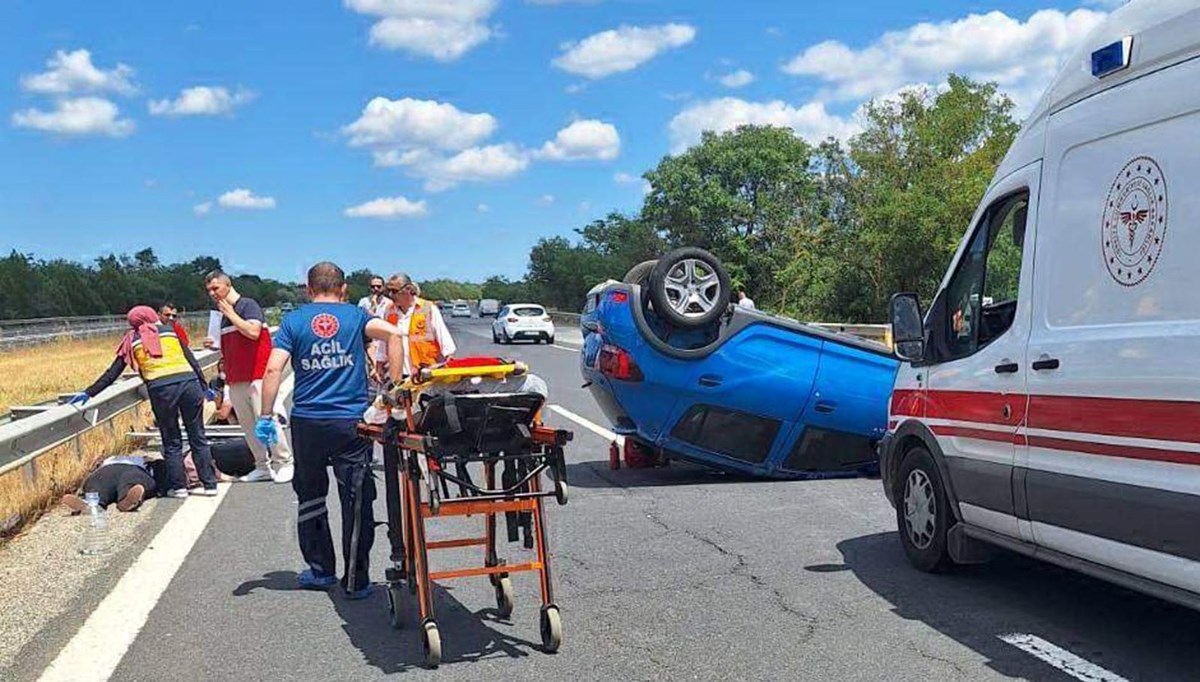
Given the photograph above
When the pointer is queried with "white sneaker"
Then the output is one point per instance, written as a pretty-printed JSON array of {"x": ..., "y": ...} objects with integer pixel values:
[
  {"x": 178, "y": 493},
  {"x": 256, "y": 476},
  {"x": 204, "y": 492},
  {"x": 285, "y": 473}
]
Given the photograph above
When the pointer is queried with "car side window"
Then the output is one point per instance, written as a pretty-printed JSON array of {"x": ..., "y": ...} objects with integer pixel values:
[{"x": 982, "y": 295}]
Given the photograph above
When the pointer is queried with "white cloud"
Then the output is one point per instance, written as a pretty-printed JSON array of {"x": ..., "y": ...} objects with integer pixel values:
[
  {"x": 623, "y": 178},
  {"x": 244, "y": 198},
  {"x": 586, "y": 139},
  {"x": 388, "y": 208},
  {"x": 811, "y": 121},
  {"x": 408, "y": 124},
  {"x": 483, "y": 208},
  {"x": 737, "y": 79},
  {"x": 546, "y": 199},
  {"x": 477, "y": 164},
  {"x": 202, "y": 209},
  {"x": 621, "y": 49},
  {"x": 79, "y": 117},
  {"x": 73, "y": 72},
  {"x": 442, "y": 29},
  {"x": 585, "y": 206},
  {"x": 1022, "y": 57},
  {"x": 202, "y": 100}
]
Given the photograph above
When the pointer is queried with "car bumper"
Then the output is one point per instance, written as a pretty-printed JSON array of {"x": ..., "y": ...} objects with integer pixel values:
[{"x": 886, "y": 450}]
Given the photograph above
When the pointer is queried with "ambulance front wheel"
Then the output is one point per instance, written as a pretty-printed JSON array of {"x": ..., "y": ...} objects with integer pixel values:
[{"x": 504, "y": 597}]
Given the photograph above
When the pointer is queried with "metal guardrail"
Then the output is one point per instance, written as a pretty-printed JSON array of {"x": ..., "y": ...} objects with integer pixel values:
[
  {"x": 880, "y": 333},
  {"x": 14, "y": 333},
  {"x": 22, "y": 441}
]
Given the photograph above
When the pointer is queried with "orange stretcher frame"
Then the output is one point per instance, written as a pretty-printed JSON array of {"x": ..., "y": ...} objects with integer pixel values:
[{"x": 411, "y": 467}]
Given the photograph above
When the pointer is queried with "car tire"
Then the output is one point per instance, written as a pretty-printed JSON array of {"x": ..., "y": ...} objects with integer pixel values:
[
  {"x": 923, "y": 512},
  {"x": 639, "y": 273},
  {"x": 550, "y": 340},
  {"x": 495, "y": 337},
  {"x": 694, "y": 272}
]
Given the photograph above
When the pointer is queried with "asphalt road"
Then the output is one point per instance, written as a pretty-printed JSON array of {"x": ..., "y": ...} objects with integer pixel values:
[{"x": 675, "y": 573}]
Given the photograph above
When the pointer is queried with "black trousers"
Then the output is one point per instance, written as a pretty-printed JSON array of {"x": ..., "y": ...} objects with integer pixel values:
[
  {"x": 320, "y": 443},
  {"x": 170, "y": 403},
  {"x": 113, "y": 481}
]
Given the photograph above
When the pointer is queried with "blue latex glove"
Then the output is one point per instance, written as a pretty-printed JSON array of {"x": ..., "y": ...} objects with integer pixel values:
[
  {"x": 265, "y": 431},
  {"x": 79, "y": 399},
  {"x": 210, "y": 394}
]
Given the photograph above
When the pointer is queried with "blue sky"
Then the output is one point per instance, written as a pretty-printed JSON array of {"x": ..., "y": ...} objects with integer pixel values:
[{"x": 441, "y": 137}]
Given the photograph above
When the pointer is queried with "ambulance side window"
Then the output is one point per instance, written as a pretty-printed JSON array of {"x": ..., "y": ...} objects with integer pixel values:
[{"x": 982, "y": 295}]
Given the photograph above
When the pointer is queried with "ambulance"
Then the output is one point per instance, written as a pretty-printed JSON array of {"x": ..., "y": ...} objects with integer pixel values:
[{"x": 1049, "y": 402}]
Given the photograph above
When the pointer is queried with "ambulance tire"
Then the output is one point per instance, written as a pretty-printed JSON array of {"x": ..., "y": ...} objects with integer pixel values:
[{"x": 923, "y": 512}]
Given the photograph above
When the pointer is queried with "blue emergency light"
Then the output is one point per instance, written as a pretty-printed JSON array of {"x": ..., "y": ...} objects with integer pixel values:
[{"x": 1112, "y": 58}]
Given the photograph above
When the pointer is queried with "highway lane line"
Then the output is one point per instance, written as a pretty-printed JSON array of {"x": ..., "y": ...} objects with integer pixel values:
[
  {"x": 573, "y": 350},
  {"x": 97, "y": 649},
  {"x": 589, "y": 425},
  {"x": 1060, "y": 658}
]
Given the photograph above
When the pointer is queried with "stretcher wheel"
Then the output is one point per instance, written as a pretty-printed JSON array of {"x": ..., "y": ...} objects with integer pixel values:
[
  {"x": 394, "y": 617},
  {"x": 504, "y": 597},
  {"x": 432, "y": 643},
  {"x": 560, "y": 492},
  {"x": 551, "y": 629}
]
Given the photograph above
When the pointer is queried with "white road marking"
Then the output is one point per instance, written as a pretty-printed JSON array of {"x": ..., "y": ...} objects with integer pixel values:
[
  {"x": 589, "y": 425},
  {"x": 573, "y": 350},
  {"x": 97, "y": 649},
  {"x": 1060, "y": 658}
]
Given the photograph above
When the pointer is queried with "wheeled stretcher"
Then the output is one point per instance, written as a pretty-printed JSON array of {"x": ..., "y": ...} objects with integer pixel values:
[{"x": 428, "y": 457}]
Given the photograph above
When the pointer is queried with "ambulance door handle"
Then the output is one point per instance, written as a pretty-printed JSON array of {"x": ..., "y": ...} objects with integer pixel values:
[
  {"x": 1045, "y": 363},
  {"x": 1007, "y": 367},
  {"x": 710, "y": 380}
]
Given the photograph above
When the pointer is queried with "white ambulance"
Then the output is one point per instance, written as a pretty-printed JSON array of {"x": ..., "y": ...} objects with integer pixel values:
[{"x": 1050, "y": 402}]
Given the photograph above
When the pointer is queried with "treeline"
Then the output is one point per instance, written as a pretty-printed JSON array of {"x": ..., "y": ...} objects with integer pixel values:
[
  {"x": 815, "y": 231},
  {"x": 30, "y": 287}
]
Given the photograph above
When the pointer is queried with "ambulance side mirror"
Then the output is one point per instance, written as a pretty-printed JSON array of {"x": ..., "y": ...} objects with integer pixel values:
[{"x": 908, "y": 331}]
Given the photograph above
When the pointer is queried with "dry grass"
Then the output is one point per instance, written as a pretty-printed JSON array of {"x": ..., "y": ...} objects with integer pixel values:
[
  {"x": 23, "y": 497},
  {"x": 38, "y": 373}
]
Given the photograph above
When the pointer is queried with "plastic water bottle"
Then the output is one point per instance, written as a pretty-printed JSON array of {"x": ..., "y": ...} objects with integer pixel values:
[{"x": 95, "y": 536}]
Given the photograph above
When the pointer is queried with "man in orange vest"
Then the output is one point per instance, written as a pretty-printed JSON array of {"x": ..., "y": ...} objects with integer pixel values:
[{"x": 425, "y": 338}]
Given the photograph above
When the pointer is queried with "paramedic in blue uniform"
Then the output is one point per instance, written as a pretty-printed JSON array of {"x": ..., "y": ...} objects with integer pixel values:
[{"x": 325, "y": 343}]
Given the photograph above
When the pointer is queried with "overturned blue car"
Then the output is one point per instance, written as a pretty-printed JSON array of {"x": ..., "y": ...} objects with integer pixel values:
[{"x": 683, "y": 374}]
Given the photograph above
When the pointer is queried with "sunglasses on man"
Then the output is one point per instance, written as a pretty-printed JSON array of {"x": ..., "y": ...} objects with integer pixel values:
[
  {"x": 376, "y": 287},
  {"x": 394, "y": 291}
]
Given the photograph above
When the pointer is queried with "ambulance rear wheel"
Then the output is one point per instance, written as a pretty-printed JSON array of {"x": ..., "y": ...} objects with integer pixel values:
[
  {"x": 504, "y": 597},
  {"x": 551, "y": 629},
  {"x": 431, "y": 641}
]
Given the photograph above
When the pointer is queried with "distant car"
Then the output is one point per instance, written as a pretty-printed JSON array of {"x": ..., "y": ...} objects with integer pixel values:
[
  {"x": 522, "y": 321},
  {"x": 682, "y": 373},
  {"x": 460, "y": 310},
  {"x": 489, "y": 307},
  {"x": 286, "y": 307}
]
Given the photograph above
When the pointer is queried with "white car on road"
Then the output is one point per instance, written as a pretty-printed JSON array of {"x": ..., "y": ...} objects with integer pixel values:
[
  {"x": 519, "y": 321},
  {"x": 460, "y": 310}
]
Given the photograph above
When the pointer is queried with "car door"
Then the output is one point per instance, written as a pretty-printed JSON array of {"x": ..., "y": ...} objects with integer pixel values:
[
  {"x": 980, "y": 328},
  {"x": 1114, "y": 415}
]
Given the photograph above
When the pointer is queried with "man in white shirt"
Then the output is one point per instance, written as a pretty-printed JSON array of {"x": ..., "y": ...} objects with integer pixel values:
[
  {"x": 376, "y": 302},
  {"x": 744, "y": 300},
  {"x": 426, "y": 339}
]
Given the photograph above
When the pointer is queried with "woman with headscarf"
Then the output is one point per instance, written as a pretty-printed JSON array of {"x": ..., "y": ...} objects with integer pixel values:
[{"x": 175, "y": 384}]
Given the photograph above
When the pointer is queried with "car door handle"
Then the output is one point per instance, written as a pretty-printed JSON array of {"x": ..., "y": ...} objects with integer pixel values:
[
  {"x": 825, "y": 407},
  {"x": 1045, "y": 364},
  {"x": 710, "y": 380},
  {"x": 1007, "y": 368}
]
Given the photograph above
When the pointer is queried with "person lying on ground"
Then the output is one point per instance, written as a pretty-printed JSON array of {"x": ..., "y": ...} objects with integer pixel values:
[
  {"x": 123, "y": 479},
  {"x": 176, "y": 387}
]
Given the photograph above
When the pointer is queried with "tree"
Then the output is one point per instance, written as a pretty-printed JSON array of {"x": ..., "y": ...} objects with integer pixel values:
[{"x": 740, "y": 194}]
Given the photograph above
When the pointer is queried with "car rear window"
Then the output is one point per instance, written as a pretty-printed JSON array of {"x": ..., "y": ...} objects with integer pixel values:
[{"x": 528, "y": 312}]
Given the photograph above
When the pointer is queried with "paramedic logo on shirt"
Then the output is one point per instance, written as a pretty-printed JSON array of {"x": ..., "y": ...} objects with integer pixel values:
[
  {"x": 1134, "y": 225},
  {"x": 325, "y": 325}
]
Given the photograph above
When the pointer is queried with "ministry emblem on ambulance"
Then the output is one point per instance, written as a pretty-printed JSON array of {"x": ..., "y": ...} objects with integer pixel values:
[
  {"x": 1134, "y": 227},
  {"x": 325, "y": 325}
]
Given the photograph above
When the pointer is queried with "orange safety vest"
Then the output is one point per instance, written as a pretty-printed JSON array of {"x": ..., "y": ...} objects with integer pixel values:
[{"x": 423, "y": 347}]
